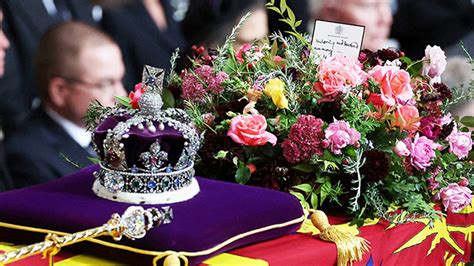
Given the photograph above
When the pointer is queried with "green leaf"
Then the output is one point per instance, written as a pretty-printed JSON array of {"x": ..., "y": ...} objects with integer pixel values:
[
  {"x": 298, "y": 195},
  {"x": 283, "y": 6},
  {"x": 325, "y": 191},
  {"x": 468, "y": 121},
  {"x": 304, "y": 187},
  {"x": 314, "y": 200},
  {"x": 168, "y": 99},
  {"x": 93, "y": 160},
  {"x": 406, "y": 60},
  {"x": 221, "y": 154},
  {"x": 304, "y": 167},
  {"x": 274, "y": 49},
  {"x": 291, "y": 16},
  {"x": 274, "y": 9},
  {"x": 242, "y": 176},
  {"x": 351, "y": 151},
  {"x": 297, "y": 23},
  {"x": 123, "y": 100}
]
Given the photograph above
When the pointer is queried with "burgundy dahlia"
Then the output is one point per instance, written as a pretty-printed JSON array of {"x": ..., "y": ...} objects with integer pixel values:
[
  {"x": 304, "y": 139},
  {"x": 388, "y": 54},
  {"x": 377, "y": 164}
]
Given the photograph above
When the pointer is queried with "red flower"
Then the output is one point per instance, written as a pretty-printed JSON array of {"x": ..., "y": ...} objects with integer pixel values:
[
  {"x": 135, "y": 95},
  {"x": 376, "y": 100},
  {"x": 243, "y": 52}
]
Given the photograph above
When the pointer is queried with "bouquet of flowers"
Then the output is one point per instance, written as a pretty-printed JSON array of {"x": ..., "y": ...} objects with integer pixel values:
[{"x": 371, "y": 134}]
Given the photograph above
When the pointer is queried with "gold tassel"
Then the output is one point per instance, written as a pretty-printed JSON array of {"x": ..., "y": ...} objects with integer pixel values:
[{"x": 349, "y": 247}]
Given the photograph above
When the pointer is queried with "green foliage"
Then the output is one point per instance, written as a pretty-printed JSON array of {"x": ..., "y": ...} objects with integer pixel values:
[
  {"x": 289, "y": 19},
  {"x": 355, "y": 112}
]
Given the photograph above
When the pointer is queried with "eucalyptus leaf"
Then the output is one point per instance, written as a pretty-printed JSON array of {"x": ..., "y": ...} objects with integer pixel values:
[{"x": 468, "y": 121}]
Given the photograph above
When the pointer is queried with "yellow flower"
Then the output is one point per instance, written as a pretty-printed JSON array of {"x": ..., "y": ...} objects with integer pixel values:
[{"x": 275, "y": 88}]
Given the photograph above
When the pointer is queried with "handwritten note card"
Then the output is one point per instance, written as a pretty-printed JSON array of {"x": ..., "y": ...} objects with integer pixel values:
[{"x": 331, "y": 38}]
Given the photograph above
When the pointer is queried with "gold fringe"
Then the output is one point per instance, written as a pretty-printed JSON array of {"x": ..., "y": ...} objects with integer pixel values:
[{"x": 350, "y": 248}]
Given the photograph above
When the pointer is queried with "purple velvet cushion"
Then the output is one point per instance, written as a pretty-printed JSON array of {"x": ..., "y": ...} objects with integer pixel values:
[{"x": 220, "y": 211}]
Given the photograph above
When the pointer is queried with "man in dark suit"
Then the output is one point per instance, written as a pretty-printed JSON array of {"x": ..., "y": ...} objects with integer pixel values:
[
  {"x": 25, "y": 22},
  {"x": 75, "y": 64},
  {"x": 147, "y": 33},
  {"x": 432, "y": 22}
]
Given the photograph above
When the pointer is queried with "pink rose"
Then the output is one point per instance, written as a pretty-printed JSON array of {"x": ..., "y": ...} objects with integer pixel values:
[
  {"x": 455, "y": 197},
  {"x": 434, "y": 62},
  {"x": 422, "y": 150},
  {"x": 250, "y": 130},
  {"x": 401, "y": 149},
  {"x": 407, "y": 117},
  {"x": 394, "y": 84},
  {"x": 135, "y": 95},
  {"x": 340, "y": 135},
  {"x": 338, "y": 73},
  {"x": 460, "y": 143},
  {"x": 463, "y": 182}
]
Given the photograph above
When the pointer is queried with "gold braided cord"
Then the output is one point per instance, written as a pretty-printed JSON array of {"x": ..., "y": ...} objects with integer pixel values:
[
  {"x": 180, "y": 254},
  {"x": 52, "y": 244}
]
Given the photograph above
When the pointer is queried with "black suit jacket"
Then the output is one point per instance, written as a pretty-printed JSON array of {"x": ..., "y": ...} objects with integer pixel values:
[
  {"x": 140, "y": 39},
  {"x": 35, "y": 153},
  {"x": 431, "y": 22},
  {"x": 25, "y": 21}
]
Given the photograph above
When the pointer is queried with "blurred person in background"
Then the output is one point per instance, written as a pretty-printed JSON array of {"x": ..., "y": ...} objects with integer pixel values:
[
  {"x": 444, "y": 23},
  {"x": 75, "y": 64},
  {"x": 434, "y": 22},
  {"x": 208, "y": 23},
  {"x": 5, "y": 181},
  {"x": 25, "y": 22},
  {"x": 147, "y": 32},
  {"x": 375, "y": 15}
]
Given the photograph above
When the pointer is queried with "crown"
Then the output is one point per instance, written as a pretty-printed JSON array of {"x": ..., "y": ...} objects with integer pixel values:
[{"x": 146, "y": 154}]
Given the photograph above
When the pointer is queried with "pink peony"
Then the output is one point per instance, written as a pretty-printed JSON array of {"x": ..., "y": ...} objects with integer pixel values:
[
  {"x": 394, "y": 84},
  {"x": 341, "y": 135},
  {"x": 135, "y": 95},
  {"x": 249, "y": 130},
  {"x": 338, "y": 73},
  {"x": 434, "y": 62},
  {"x": 422, "y": 150},
  {"x": 460, "y": 143},
  {"x": 407, "y": 118},
  {"x": 455, "y": 197}
]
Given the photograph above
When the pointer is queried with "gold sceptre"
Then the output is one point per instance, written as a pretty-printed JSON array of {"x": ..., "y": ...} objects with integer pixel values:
[{"x": 133, "y": 224}]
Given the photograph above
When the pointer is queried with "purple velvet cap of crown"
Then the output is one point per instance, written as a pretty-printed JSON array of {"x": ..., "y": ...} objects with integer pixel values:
[{"x": 140, "y": 140}]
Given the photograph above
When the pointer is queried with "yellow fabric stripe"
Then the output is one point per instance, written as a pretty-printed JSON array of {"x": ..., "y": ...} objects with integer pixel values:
[
  {"x": 82, "y": 260},
  {"x": 230, "y": 259}
]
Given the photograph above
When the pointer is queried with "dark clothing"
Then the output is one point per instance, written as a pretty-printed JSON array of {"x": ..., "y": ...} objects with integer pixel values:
[
  {"x": 37, "y": 152},
  {"x": 25, "y": 21},
  {"x": 431, "y": 22},
  {"x": 140, "y": 40},
  {"x": 5, "y": 179}
]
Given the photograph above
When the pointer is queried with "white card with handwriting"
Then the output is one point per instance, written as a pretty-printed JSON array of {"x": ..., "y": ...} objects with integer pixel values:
[{"x": 332, "y": 38}]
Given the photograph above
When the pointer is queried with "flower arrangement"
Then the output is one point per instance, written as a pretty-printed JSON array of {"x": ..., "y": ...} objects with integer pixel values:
[{"x": 370, "y": 134}]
